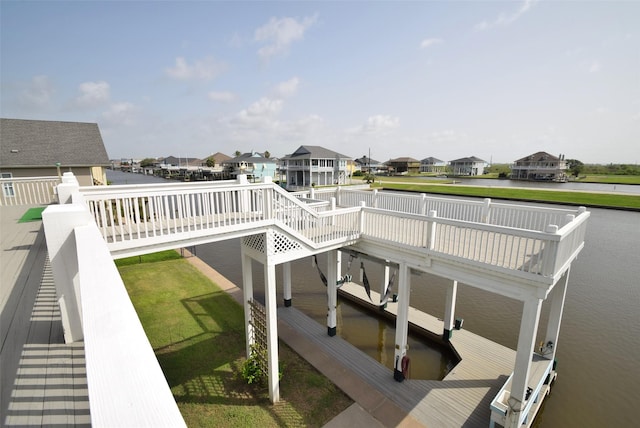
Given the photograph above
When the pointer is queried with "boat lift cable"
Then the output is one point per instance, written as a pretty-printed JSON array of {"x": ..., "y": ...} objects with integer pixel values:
[
  {"x": 387, "y": 294},
  {"x": 323, "y": 278}
]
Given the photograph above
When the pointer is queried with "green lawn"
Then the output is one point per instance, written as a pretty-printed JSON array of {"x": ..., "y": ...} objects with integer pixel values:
[
  {"x": 608, "y": 179},
  {"x": 566, "y": 197},
  {"x": 197, "y": 332}
]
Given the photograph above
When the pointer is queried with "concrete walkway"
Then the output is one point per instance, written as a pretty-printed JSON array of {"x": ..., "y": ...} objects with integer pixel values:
[{"x": 371, "y": 408}]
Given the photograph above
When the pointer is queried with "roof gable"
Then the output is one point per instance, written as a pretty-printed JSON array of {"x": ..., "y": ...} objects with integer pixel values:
[
  {"x": 40, "y": 143},
  {"x": 538, "y": 156},
  {"x": 316, "y": 152}
]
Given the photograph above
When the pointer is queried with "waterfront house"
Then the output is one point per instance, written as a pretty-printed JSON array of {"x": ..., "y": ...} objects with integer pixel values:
[
  {"x": 253, "y": 164},
  {"x": 404, "y": 165},
  {"x": 314, "y": 165},
  {"x": 467, "y": 166},
  {"x": 39, "y": 148},
  {"x": 540, "y": 166},
  {"x": 366, "y": 164},
  {"x": 433, "y": 165}
]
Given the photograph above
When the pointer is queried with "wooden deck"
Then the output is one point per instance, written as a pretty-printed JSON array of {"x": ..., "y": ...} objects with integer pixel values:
[
  {"x": 43, "y": 380},
  {"x": 461, "y": 399}
]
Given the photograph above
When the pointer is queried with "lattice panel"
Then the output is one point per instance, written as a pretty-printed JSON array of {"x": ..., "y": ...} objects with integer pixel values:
[
  {"x": 282, "y": 244},
  {"x": 259, "y": 323},
  {"x": 255, "y": 242}
]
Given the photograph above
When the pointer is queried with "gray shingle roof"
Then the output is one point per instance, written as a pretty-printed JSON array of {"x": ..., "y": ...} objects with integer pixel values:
[
  {"x": 539, "y": 156},
  {"x": 40, "y": 143},
  {"x": 315, "y": 152},
  {"x": 469, "y": 159}
]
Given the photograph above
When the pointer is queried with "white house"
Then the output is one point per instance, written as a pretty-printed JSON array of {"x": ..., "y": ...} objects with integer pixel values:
[
  {"x": 432, "y": 164},
  {"x": 314, "y": 166},
  {"x": 467, "y": 166},
  {"x": 540, "y": 166}
]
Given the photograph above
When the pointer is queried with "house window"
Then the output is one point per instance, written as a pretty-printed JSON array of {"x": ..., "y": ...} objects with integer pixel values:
[{"x": 7, "y": 187}]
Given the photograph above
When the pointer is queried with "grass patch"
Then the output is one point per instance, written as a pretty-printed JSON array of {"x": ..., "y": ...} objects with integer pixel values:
[
  {"x": 565, "y": 197},
  {"x": 608, "y": 179},
  {"x": 32, "y": 214},
  {"x": 197, "y": 332},
  {"x": 149, "y": 258}
]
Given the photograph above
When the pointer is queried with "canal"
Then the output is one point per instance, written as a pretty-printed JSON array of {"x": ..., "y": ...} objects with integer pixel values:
[{"x": 599, "y": 344}]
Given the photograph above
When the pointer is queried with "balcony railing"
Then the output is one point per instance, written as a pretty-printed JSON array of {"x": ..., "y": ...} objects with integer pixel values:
[{"x": 28, "y": 191}]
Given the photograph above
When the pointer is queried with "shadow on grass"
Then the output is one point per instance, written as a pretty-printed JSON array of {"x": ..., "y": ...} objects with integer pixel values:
[{"x": 204, "y": 370}]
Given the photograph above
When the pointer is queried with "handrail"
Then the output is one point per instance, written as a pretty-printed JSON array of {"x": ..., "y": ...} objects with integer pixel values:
[
  {"x": 28, "y": 191},
  {"x": 160, "y": 212}
]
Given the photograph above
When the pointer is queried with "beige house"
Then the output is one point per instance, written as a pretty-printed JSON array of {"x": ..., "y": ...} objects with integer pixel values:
[
  {"x": 39, "y": 148},
  {"x": 540, "y": 166}
]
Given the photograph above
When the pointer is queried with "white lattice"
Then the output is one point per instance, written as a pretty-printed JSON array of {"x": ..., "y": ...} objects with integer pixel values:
[
  {"x": 280, "y": 244},
  {"x": 255, "y": 242}
]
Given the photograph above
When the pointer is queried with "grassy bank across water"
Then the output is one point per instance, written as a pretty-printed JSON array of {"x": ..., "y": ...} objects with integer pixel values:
[
  {"x": 197, "y": 332},
  {"x": 588, "y": 199}
]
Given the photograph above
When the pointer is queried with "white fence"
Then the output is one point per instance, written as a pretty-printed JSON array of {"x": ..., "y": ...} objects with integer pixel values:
[
  {"x": 498, "y": 236},
  {"x": 479, "y": 211},
  {"x": 29, "y": 191}
]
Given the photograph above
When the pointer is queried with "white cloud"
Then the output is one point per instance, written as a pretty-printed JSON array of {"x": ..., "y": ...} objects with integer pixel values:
[
  {"x": 261, "y": 113},
  {"x": 288, "y": 88},
  {"x": 430, "y": 42},
  {"x": 204, "y": 69},
  {"x": 378, "y": 124},
  {"x": 120, "y": 113},
  {"x": 279, "y": 33},
  {"x": 222, "y": 96},
  {"x": 38, "y": 93},
  {"x": 507, "y": 18},
  {"x": 93, "y": 94}
]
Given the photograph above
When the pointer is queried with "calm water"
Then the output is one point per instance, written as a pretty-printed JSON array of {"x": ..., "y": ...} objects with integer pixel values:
[{"x": 599, "y": 373}]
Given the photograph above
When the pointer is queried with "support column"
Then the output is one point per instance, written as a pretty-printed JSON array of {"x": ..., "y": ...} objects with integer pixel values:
[
  {"x": 402, "y": 320},
  {"x": 555, "y": 317},
  {"x": 286, "y": 279},
  {"x": 332, "y": 292},
  {"x": 450, "y": 310},
  {"x": 384, "y": 285},
  {"x": 272, "y": 331},
  {"x": 526, "y": 344},
  {"x": 247, "y": 292}
]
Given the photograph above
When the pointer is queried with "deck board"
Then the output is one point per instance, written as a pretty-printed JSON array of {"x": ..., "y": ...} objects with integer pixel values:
[
  {"x": 43, "y": 379},
  {"x": 462, "y": 398}
]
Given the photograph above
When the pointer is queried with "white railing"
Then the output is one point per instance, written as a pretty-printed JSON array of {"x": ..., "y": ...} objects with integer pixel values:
[
  {"x": 543, "y": 254},
  {"x": 28, "y": 191},
  {"x": 126, "y": 385},
  {"x": 164, "y": 212},
  {"x": 484, "y": 211},
  {"x": 476, "y": 232}
]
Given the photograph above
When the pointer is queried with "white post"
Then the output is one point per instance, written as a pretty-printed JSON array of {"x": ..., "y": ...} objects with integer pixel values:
[
  {"x": 555, "y": 316},
  {"x": 402, "y": 320},
  {"x": 286, "y": 278},
  {"x": 524, "y": 353},
  {"x": 67, "y": 188},
  {"x": 375, "y": 199},
  {"x": 431, "y": 229},
  {"x": 385, "y": 284},
  {"x": 486, "y": 209},
  {"x": 272, "y": 331},
  {"x": 59, "y": 222},
  {"x": 247, "y": 291},
  {"x": 450, "y": 310},
  {"x": 332, "y": 292}
]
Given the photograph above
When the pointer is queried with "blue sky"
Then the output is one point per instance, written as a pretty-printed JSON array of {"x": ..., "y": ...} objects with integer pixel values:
[{"x": 498, "y": 80}]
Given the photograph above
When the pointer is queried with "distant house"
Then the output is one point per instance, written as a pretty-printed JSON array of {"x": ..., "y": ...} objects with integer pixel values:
[
  {"x": 39, "y": 148},
  {"x": 181, "y": 162},
  {"x": 314, "y": 165},
  {"x": 540, "y": 166},
  {"x": 467, "y": 166},
  {"x": 253, "y": 164},
  {"x": 366, "y": 164},
  {"x": 433, "y": 165},
  {"x": 218, "y": 158},
  {"x": 403, "y": 166}
]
